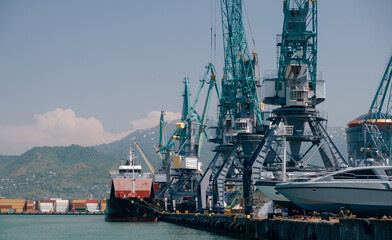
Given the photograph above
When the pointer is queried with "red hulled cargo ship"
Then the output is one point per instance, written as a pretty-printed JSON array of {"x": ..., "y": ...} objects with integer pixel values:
[{"x": 131, "y": 195}]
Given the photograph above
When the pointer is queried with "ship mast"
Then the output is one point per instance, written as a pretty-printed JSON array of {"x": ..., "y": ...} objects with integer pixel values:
[{"x": 133, "y": 169}]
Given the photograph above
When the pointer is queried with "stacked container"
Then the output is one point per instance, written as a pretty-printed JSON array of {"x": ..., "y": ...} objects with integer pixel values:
[
  {"x": 30, "y": 206},
  {"x": 92, "y": 205},
  {"x": 103, "y": 205},
  {"x": 62, "y": 205},
  {"x": 12, "y": 205},
  {"x": 78, "y": 205},
  {"x": 46, "y": 205}
]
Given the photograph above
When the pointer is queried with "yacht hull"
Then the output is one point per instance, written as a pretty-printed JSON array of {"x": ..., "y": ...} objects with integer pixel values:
[{"x": 331, "y": 197}]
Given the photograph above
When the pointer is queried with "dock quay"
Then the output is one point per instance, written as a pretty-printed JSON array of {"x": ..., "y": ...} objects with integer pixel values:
[
  {"x": 52, "y": 213},
  {"x": 283, "y": 229}
]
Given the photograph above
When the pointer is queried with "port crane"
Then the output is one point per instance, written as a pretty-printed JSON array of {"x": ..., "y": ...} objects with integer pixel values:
[
  {"x": 240, "y": 124},
  {"x": 183, "y": 168},
  {"x": 378, "y": 145},
  {"x": 295, "y": 90}
]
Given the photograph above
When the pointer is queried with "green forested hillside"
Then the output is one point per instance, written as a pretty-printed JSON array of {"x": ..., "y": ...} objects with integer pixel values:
[
  {"x": 76, "y": 172},
  {"x": 67, "y": 172}
]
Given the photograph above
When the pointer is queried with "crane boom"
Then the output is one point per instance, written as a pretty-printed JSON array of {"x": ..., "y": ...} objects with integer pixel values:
[
  {"x": 145, "y": 159},
  {"x": 239, "y": 89},
  {"x": 382, "y": 92},
  {"x": 159, "y": 153},
  {"x": 376, "y": 143},
  {"x": 213, "y": 83}
]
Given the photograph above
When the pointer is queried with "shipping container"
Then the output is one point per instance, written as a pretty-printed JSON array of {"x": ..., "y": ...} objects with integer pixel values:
[
  {"x": 81, "y": 210},
  {"x": 12, "y": 201},
  {"x": 48, "y": 201},
  {"x": 5, "y": 206},
  {"x": 93, "y": 207},
  {"x": 62, "y": 205},
  {"x": 103, "y": 207},
  {"x": 78, "y": 201},
  {"x": 12, "y": 204},
  {"x": 46, "y": 206},
  {"x": 77, "y": 204}
]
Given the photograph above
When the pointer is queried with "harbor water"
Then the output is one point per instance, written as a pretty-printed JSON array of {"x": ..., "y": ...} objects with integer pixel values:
[{"x": 92, "y": 227}]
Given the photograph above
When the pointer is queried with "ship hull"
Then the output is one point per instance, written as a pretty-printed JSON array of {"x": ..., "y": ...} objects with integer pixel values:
[{"x": 130, "y": 210}]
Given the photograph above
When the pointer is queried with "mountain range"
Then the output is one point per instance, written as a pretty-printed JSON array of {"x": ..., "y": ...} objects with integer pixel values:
[{"x": 76, "y": 172}]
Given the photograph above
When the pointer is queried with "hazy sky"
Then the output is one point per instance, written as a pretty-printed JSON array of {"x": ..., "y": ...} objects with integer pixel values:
[{"x": 88, "y": 72}]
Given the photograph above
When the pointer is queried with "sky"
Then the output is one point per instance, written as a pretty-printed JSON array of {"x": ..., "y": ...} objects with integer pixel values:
[{"x": 90, "y": 72}]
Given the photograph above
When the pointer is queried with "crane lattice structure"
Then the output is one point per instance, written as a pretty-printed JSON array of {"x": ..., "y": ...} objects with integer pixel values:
[
  {"x": 240, "y": 116},
  {"x": 298, "y": 40},
  {"x": 376, "y": 144},
  {"x": 239, "y": 88},
  {"x": 297, "y": 90},
  {"x": 181, "y": 164}
]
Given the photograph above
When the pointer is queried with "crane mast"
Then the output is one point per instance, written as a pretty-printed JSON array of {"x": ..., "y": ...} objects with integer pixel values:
[
  {"x": 240, "y": 118},
  {"x": 181, "y": 162},
  {"x": 239, "y": 97},
  {"x": 296, "y": 89},
  {"x": 299, "y": 40}
]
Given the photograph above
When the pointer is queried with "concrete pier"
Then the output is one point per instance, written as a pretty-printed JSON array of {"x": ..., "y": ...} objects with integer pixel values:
[
  {"x": 293, "y": 229},
  {"x": 52, "y": 213}
]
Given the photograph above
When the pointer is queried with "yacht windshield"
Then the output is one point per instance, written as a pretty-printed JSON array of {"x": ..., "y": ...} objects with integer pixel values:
[{"x": 356, "y": 174}]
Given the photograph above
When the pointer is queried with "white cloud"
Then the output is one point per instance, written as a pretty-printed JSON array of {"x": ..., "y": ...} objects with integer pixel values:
[
  {"x": 152, "y": 119},
  {"x": 59, "y": 127}
]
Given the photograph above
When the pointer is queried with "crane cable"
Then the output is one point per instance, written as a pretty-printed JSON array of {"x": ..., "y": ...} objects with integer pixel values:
[
  {"x": 213, "y": 30},
  {"x": 250, "y": 27}
]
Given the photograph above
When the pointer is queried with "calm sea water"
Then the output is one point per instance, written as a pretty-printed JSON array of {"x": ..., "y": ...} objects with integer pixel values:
[{"x": 92, "y": 227}]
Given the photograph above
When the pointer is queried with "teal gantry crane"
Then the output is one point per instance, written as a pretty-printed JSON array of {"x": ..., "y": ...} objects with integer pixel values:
[
  {"x": 296, "y": 89},
  {"x": 240, "y": 115},
  {"x": 181, "y": 163}
]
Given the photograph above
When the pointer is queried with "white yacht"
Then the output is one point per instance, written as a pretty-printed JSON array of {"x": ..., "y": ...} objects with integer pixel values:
[
  {"x": 267, "y": 184},
  {"x": 362, "y": 190}
]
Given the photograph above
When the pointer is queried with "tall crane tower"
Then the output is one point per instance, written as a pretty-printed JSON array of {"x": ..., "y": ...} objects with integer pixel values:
[
  {"x": 181, "y": 164},
  {"x": 239, "y": 89},
  {"x": 240, "y": 125},
  {"x": 296, "y": 90}
]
